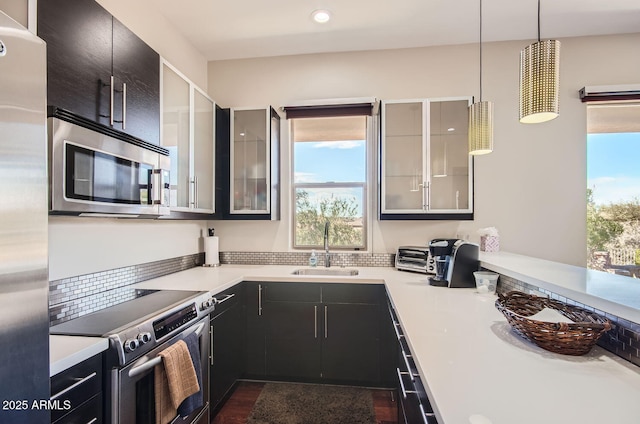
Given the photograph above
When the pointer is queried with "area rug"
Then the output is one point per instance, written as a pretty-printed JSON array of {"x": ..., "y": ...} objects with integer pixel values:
[{"x": 290, "y": 403}]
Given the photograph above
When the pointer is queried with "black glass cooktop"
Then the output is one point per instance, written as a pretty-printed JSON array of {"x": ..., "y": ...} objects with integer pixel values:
[{"x": 118, "y": 317}]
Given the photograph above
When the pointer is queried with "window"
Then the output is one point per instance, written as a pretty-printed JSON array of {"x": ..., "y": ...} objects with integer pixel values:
[
  {"x": 613, "y": 187},
  {"x": 330, "y": 181}
]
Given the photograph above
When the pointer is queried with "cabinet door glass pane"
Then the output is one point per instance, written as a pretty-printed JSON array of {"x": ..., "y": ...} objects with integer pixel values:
[
  {"x": 203, "y": 151},
  {"x": 250, "y": 168},
  {"x": 449, "y": 157},
  {"x": 403, "y": 156},
  {"x": 175, "y": 133}
]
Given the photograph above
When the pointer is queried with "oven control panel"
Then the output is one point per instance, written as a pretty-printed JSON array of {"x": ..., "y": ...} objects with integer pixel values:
[
  {"x": 141, "y": 338},
  {"x": 169, "y": 323}
]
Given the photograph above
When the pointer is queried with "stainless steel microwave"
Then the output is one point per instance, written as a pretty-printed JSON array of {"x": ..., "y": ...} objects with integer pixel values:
[{"x": 94, "y": 174}]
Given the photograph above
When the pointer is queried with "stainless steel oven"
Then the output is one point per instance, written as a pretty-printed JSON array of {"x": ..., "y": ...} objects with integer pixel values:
[
  {"x": 91, "y": 173},
  {"x": 133, "y": 399},
  {"x": 138, "y": 330}
]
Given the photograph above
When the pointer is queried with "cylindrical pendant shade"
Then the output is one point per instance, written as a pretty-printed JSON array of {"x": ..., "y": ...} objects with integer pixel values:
[
  {"x": 539, "y": 80},
  {"x": 481, "y": 128}
]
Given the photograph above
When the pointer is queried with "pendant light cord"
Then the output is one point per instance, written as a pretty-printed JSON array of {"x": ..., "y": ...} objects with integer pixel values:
[
  {"x": 481, "y": 50},
  {"x": 538, "y": 21}
]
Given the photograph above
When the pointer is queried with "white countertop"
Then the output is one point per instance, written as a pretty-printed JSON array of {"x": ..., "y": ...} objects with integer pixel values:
[
  {"x": 475, "y": 369},
  {"x": 614, "y": 294},
  {"x": 67, "y": 351}
]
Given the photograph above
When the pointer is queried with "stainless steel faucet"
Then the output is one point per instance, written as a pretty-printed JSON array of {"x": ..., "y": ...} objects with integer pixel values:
[{"x": 327, "y": 255}]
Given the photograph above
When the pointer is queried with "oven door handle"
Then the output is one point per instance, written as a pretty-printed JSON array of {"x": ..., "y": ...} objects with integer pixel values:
[{"x": 147, "y": 365}]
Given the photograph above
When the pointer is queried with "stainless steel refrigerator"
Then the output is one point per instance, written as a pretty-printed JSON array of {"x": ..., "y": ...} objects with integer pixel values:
[{"x": 24, "y": 323}]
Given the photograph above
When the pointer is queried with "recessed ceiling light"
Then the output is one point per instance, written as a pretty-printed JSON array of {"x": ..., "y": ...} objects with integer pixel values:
[
  {"x": 451, "y": 129},
  {"x": 321, "y": 16}
]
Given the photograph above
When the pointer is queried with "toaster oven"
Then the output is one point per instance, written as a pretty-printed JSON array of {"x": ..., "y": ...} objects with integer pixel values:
[{"x": 416, "y": 259}]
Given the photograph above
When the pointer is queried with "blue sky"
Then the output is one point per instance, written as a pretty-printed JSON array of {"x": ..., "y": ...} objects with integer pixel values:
[
  {"x": 613, "y": 166},
  {"x": 331, "y": 161},
  {"x": 337, "y": 161}
]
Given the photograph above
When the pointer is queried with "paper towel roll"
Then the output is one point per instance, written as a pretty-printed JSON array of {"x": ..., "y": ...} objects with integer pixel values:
[{"x": 211, "y": 251}]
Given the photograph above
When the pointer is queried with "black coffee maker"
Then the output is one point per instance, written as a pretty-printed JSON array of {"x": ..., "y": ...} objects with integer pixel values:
[{"x": 456, "y": 261}]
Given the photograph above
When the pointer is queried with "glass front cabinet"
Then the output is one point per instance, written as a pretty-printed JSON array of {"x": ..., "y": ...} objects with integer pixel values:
[
  {"x": 254, "y": 159},
  {"x": 188, "y": 132},
  {"x": 426, "y": 171}
]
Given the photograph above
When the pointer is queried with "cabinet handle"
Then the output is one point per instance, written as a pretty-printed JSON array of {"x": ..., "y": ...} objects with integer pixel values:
[
  {"x": 192, "y": 188},
  {"x": 224, "y": 299},
  {"x": 315, "y": 321},
  {"x": 326, "y": 322},
  {"x": 74, "y": 385},
  {"x": 406, "y": 362},
  {"x": 428, "y": 191},
  {"x": 424, "y": 195},
  {"x": 195, "y": 191},
  {"x": 259, "y": 299},
  {"x": 424, "y": 414},
  {"x": 124, "y": 105},
  {"x": 395, "y": 328},
  {"x": 211, "y": 344},
  {"x": 94, "y": 420},
  {"x": 402, "y": 389},
  {"x": 111, "y": 90}
]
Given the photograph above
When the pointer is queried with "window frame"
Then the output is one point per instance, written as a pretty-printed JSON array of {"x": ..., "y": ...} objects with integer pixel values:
[{"x": 365, "y": 186}]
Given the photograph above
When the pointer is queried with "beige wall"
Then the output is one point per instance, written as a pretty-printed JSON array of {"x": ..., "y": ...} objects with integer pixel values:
[{"x": 532, "y": 187}]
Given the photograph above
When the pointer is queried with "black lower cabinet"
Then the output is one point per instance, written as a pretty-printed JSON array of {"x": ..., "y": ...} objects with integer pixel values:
[
  {"x": 78, "y": 393},
  {"x": 292, "y": 342},
  {"x": 319, "y": 332},
  {"x": 227, "y": 344},
  {"x": 254, "y": 354},
  {"x": 414, "y": 406},
  {"x": 351, "y": 343}
]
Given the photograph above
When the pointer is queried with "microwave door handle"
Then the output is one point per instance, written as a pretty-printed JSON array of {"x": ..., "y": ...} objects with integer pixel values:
[{"x": 158, "y": 183}]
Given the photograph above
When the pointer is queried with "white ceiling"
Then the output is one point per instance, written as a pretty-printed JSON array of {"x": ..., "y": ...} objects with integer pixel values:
[{"x": 254, "y": 28}]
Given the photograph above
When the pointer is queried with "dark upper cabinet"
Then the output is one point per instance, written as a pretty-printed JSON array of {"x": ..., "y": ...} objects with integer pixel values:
[
  {"x": 248, "y": 164},
  {"x": 136, "y": 66},
  {"x": 99, "y": 70}
]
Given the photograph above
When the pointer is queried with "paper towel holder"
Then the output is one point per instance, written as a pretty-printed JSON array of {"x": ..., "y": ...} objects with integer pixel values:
[{"x": 211, "y": 250}]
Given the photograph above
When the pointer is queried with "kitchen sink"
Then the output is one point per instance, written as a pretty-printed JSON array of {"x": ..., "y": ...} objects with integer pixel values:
[{"x": 326, "y": 271}]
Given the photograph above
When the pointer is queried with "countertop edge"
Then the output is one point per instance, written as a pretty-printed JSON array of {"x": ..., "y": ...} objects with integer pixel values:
[
  {"x": 67, "y": 351},
  {"x": 566, "y": 282}
]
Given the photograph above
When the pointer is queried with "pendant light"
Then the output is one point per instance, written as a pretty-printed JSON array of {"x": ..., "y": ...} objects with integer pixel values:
[
  {"x": 481, "y": 117},
  {"x": 539, "y": 80}
]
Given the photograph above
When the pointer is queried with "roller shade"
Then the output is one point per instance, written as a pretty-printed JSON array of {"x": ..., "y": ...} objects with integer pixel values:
[
  {"x": 607, "y": 93},
  {"x": 331, "y": 108}
]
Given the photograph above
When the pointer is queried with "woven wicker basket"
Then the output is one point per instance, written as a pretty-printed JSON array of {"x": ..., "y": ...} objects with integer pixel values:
[{"x": 575, "y": 338}]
